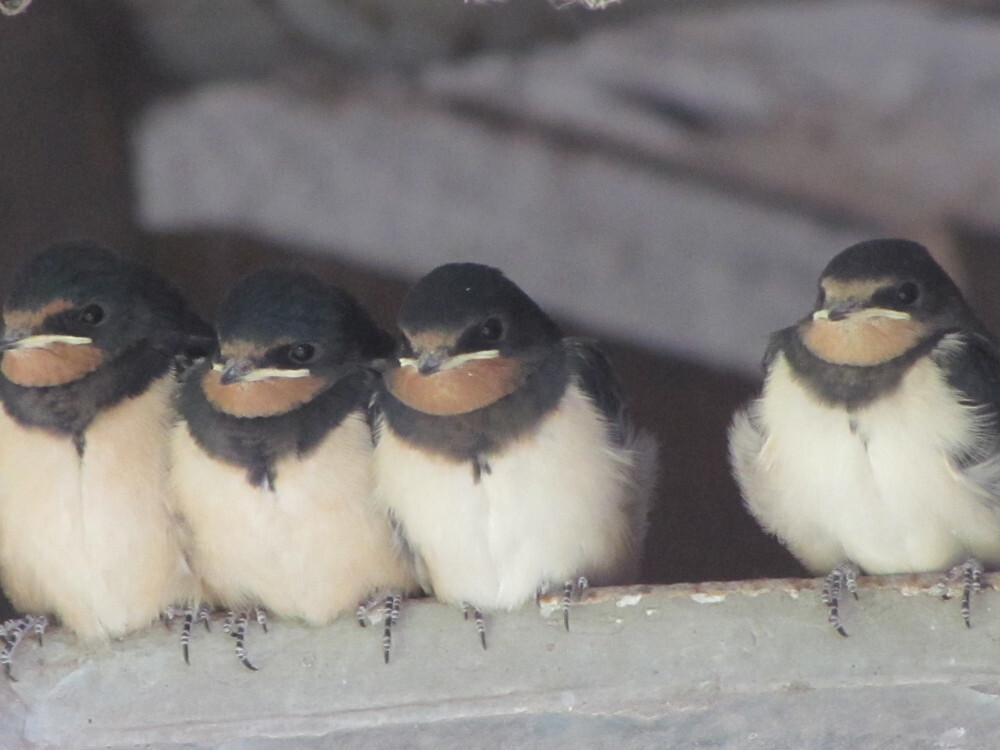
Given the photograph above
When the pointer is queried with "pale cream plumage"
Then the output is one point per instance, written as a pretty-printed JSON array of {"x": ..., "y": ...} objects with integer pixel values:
[{"x": 91, "y": 539}]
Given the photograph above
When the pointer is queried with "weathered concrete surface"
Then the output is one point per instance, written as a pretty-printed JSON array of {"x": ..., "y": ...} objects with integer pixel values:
[
  {"x": 746, "y": 665},
  {"x": 386, "y": 181}
]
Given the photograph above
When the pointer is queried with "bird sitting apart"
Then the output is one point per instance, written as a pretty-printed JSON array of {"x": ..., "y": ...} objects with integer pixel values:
[
  {"x": 874, "y": 443},
  {"x": 272, "y": 456},
  {"x": 91, "y": 347},
  {"x": 504, "y": 451}
]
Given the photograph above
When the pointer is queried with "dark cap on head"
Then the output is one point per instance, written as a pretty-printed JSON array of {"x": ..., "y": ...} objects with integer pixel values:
[
  {"x": 456, "y": 296},
  {"x": 273, "y": 303},
  {"x": 895, "y": 258},
  {"x": 899, "y": 262},
  {"x": 137, "y": 301}
]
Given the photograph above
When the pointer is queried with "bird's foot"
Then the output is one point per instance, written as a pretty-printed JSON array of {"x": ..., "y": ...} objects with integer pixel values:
[
  {"x": 572, "y": 592},
  {"x": 842, "y": 577},
  {"x": 365, "y": 613},
  {"x": 12, "y": 632},
  {"x": 191, "y": 616},
  {"x": 384, "y": 609},
  {"x": 478, "y": 618},
  {"x": 971, "y": 574},
  {"x": 235, "y": 626}
]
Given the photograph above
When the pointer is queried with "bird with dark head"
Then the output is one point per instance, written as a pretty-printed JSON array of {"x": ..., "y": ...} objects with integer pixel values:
[
  {"x": 272, "y": 457},
  {"x": 504, "y": 449},
  {"x": 874, "y": 443},
  {"x": 92, "y": 345}
]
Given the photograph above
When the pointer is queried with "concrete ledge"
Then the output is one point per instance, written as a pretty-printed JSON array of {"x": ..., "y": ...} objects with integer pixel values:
[{"x": 741, "y": 665}]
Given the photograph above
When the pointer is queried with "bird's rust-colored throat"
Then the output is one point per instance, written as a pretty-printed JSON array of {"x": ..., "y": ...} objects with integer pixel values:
[
  {"x": 458, "y": 390},
  {"x": 260, "y": 398},
  {"x": 861, "y": 339},
  {"x": 55, "y": 363}
]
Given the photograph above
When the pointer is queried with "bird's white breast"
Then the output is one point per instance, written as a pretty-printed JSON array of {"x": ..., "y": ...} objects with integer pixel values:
[
  {"x": 874, "y": 486},
  {"x": 311, "y": 548},
  {"x": 92, "y": 539},
  {"x": 555, "y": 504}
]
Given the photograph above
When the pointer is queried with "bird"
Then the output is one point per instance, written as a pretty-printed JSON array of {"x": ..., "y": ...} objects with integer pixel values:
[
  {"x": 272, "y": 456},
  {"x": 91, "y": 350},
  {"x": 875, "y": 445},
  {"x": 504, "y": 449}
]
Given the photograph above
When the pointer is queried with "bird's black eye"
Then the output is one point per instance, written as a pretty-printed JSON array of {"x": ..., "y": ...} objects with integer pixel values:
[
  {"x": 92, "y": 314},
  {"x": 491, "y": 330},
  {"x": 301, "y": 354},
  {"x": 907, "y": 293}
]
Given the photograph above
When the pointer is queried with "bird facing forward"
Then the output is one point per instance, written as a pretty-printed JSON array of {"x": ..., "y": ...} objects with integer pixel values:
[
  {"x": 874, "y": 443},
  {"x": 91, "y": 349},
  {"x": 272, "y": 456},
  {"x": 504, "y": 450}
]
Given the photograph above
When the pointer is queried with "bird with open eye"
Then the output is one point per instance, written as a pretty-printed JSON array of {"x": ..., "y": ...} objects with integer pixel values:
[
  {"x": 504, "y": 450},
  {"x": 92, "y": 346},
  {"x": 875, "y": 443},
  {"x": 272, "y": 457}
]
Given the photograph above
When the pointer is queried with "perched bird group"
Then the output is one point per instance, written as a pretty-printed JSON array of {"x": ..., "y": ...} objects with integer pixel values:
[{"x": 295, "y": 458}]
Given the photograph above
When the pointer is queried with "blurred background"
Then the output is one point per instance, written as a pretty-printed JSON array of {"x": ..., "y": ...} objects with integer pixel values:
[{"x": 668, "y": 176}]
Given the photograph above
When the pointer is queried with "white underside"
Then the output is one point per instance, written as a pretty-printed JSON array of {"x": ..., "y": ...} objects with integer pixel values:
[
  {"x": 885, "y": 496},
  {"x": 555, "y": 505},
  {"x": 311, "y": 549},
  {"x": 92, "y": 541}
]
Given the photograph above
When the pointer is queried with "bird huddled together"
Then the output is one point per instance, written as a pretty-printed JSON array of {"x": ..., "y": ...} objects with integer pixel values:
[{"x": 295, "y": 459}]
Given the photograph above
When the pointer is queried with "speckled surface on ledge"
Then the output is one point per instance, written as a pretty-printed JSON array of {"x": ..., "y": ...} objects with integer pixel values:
[{"x": 729, "y": 665}]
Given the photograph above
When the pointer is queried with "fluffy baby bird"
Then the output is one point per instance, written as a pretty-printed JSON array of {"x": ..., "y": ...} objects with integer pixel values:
[
  {"x": 272, "y": 457},
  {"x": 874, "y": 443},
  {"x": 91, "y": 349},
  {"x": 504, "y": 450}
]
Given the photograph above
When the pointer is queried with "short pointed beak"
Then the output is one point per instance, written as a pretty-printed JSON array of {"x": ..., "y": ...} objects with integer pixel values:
[
  {"x": 430, "y": 362},
  {"x": 234, "y": 370},
  {"x": 838, "y": 310}
]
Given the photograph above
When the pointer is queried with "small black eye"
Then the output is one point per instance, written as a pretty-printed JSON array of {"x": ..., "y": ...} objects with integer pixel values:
[
  {"x": 300, "y": 354},
  {"x": 907, "y": 293},
  {"x": 92, "y": 314},
  {"x": 491, "y": 330}
]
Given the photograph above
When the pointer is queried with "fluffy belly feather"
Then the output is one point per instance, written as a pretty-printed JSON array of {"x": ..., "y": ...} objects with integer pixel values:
[
  {"x": 876, "y": 487},
  {"x": 554, "y": 505},
  {"x": 91, "y": 540},
  {"x": 310, "y": 549}
]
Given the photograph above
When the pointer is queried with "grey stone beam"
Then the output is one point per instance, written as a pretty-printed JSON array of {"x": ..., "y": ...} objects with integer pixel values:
[{"x": 738, "y": 665}]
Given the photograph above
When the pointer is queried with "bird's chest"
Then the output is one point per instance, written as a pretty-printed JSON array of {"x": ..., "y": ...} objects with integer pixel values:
[
  {"x": 307, "y": 548},
  {"x": 881, "y": 481},
  {"x": 542, "y": 510},
  {"x": 83, "y": 535},
  {"x": 217, "y": 495}
]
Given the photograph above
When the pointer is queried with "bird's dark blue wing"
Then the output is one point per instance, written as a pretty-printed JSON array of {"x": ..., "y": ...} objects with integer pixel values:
[
  {"x": 971, "y": 362},
  {"x": 974, "y": 371},
  {"x": 593, "y": 373}
]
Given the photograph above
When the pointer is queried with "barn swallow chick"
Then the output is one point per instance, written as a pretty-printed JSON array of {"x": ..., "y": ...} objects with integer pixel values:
[
  {"x": 272, "y": 457},
  {"x": 504, "y": 450},
  {"x": 874, "y": 444},
  {"x": 90, "y": 353}
]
